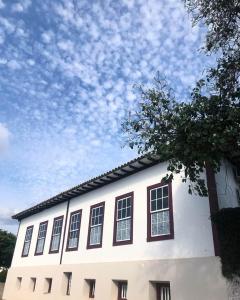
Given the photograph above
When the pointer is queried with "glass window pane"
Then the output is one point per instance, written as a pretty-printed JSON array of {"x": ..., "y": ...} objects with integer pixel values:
[
  {"x": 153, "y": 194},
  {"x": 165, "y": 191},
  {"x": 159, "y": 193},
  {"x": 160, "y": 223},
  {"x": 165, "y": 202},
  {"x": 159, "y": 204},
  {"x": 153, "y": 205},
  {"x": 95, "y": 235},
  {"x": 123, "y": 230}
]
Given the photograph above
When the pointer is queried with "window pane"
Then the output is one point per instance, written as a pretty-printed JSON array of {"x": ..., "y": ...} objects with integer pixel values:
[
  {"x": 74, "y": 230},
  {"x": 55, "y": 242},
  {"x": 160, "y": 223},
  {"x": 159, "y": 193},
  {"x": 26, "y": 248},
  {"x": 95, "y": 235},
  {"x": 40, "y": 244},
  {"x": 165, "y": 202},
  {"x": 123, "y": 230},
  {"x": 159, "y": 204},
  {"x": 165, "y": 191},
  {"x": 153, "y": 194}
]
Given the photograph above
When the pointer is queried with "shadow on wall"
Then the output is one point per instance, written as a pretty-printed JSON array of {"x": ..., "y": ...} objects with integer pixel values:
[{"x": 1, "y": 289}]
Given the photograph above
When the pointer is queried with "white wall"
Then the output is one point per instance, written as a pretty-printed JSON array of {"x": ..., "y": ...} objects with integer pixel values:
[
  {"x": 46, "y": 215},
  {"x": 226, "y": 186},
  {"x": 192, "y": 227}
]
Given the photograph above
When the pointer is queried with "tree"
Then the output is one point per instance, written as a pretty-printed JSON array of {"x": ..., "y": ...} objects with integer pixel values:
[
  {"x": 207, "y": 128},
  {"x": 7, "y": 244}
]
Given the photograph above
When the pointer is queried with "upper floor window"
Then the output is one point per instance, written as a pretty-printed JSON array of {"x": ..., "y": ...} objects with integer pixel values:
[
  {"x": 56, "y": 234},
  {"x": 42, "y": 232},
  {"x": 95, "y": 230},
  {"x": 27, "y": 241},
  {"x": 123, "y": 223},
  {"x": 74, "y": 230},
  {"x": 160, "y": 215}
]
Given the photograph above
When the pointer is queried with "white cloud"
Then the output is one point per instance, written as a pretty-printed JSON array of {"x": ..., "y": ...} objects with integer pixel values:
[
  {"x": 2, "y": 5},
  {"x": 14, "y": 64},
  {"x": 4, "y": 137},
  {"x": 47, "y": 36},
  {"x": 76, "y": 65},
  {"x": 21, "y": 6}
]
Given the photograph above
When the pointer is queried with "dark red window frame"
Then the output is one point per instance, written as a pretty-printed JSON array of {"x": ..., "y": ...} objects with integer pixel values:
[
  {"x": 89, "y": 226},
  {"x": 169, "y": 236},
  {"x": 26, "y": 255},
  {"x": 54, "y": 220},
  {"x": 130, "y": 241},
  {"x": 41, "y": 253},
  {"x": 69, "y": 226}
]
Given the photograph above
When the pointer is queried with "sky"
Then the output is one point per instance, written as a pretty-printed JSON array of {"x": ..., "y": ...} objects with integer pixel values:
[{"x": 67, "y": 71}]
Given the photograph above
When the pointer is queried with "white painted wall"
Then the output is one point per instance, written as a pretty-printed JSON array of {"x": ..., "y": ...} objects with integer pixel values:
[
  {"x": 192, "y": 227},
  {"x": 226, "y": 186},
  {"x": 45, "y": 259}
]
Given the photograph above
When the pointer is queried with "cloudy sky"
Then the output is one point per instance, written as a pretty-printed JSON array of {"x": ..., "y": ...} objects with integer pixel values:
[{"x": 67, "y": 69}]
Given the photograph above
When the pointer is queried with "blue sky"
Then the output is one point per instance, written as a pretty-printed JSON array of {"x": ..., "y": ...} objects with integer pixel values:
[{"x": 67, "y": 69}]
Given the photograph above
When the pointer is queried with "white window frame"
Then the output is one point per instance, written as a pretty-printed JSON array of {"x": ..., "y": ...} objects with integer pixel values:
[
  {"x": 119, "y": 220},
  {"x": 41, "y": 237},
  {"x": 159, "y": 210},
  {"x": 77, "y": 230},
  {"x": 100, "y": 224},
  {"x": 58, "y": 234},
  {"x": 27, "y": 240}
]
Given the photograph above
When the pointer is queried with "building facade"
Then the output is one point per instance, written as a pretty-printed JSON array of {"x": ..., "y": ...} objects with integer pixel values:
[{"x": 123, "y": 235}]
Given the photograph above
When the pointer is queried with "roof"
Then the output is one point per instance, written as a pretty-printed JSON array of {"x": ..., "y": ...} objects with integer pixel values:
[{"x": 118, "y": 173}]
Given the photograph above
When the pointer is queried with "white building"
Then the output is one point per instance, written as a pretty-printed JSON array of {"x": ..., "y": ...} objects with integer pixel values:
[{"x": 123, "y": 235}]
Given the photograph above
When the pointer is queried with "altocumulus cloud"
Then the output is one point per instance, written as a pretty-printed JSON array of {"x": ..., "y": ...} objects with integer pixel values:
[
  {"x": 4, "y": 137},
  {"x": 66, "y": 74}
]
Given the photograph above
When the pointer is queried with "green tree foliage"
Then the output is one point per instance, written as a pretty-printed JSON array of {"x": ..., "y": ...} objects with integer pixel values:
[
  {"x": 7, "y": 244},
  {"x": 207, "y": 128}
]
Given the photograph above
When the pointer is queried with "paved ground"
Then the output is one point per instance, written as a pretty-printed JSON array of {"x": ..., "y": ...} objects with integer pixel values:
[{"x": 1, "y": 289}]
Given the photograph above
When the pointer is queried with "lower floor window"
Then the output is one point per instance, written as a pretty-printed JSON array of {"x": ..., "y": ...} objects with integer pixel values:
[
  {"x": 122, "y": 290},
  {"x": 48, "y": 285},
  {"x": 68, "y": 277},
  {"x": 91, "y": 284},
  {"x": 19, "y": 282},
  {"x": 163, "y": 291},
  {"x": 33, "y": 283}
]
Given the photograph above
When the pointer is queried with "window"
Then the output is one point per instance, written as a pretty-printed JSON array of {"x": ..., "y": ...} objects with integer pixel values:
[
  {"x": 160, "y": 216},
  {"x": 123, "y": 223},
  {"x": 48, "y": 286},
  {"x": 33, "y": 281},
  {"x": 91, "y": 283},
  {"x": 74, "y": 230},
  {"x": 68, "y": 280},
  {"x": 56, "y": 235},
  {"x": 27, "y": 241},
  {"x": 95, "y": 229},
  {"x": 122, "y": 290},
  {"x": 19, "y": 282},
  {"x": 42, "y": 232},
  {"x": 163, "y": 291}
]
